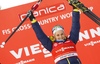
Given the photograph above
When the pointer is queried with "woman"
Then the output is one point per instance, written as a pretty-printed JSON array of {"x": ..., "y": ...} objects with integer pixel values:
[{"x": 62, "y": 48}]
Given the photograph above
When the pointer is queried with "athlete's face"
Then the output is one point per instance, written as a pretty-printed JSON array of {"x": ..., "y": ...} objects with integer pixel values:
[{"x": 59, "y": 35}]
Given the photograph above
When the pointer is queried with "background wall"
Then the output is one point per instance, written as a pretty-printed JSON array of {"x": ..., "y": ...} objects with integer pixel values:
[{"x": 24, "y": 48}]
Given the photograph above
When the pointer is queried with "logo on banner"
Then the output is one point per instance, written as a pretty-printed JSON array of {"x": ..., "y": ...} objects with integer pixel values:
[
  {"x": 92, "y": 33},
  {"x": 46, "y": 11},
  {"x": 35, "y": 49}
]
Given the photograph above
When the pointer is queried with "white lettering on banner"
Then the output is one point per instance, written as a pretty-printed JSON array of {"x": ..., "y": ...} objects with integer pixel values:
[
  {"x": 52, "y": 8},
  {"x": 26, "y": 51},
  {"x": 67, "y": 15},
  {"x": 92, "y": 43},
  {"x": 21, "y": 28},
  {"x": 22, "y": 16},
  {"x": 86, "y": 35},
  {"x": 6, "y": 31},
  {"x": 34, "y": 50},
  {"x": 93, "y": 32},
  {"x": 49, "y": 20},
  {"x": 46, "y": 52},
  {"x": 42, "y": 22},
  {"x": 15, "y": 54},
  {"x": 26, "y": 61},
  {"x": 47, "y": 10}
]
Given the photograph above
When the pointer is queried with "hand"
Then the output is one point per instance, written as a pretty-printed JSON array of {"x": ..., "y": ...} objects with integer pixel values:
[
  {"x": 31, "y": 16},
  {"x": 73, "y": 1}
]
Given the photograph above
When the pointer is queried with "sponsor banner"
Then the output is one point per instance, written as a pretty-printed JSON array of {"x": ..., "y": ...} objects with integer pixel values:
[
  {"x": 56, "y": 8},
  {"x": 24, "y": 48}
]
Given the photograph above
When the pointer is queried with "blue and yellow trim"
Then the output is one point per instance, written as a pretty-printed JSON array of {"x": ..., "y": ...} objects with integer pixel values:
[
  {"x": 33, "y": 21},
  {"x": 75, "y": 10},
  {"x": 68, "y": 61},
  {"x": 78, "y": 61}
]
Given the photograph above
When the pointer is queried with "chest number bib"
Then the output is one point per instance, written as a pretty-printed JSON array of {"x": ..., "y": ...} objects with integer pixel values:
[{"x": 63, "y": 50}]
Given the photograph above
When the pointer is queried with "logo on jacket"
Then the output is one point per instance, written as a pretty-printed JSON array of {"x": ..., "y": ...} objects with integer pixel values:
[{"x": 55, "y": 44}]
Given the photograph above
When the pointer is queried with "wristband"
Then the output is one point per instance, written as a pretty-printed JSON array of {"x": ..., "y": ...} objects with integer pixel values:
[
  {"x": 75, "y": 10},
  {"x": 33, "y": 21}
]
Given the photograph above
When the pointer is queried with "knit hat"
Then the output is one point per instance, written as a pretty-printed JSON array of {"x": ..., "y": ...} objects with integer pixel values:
[{"x": 57, "y": 28}]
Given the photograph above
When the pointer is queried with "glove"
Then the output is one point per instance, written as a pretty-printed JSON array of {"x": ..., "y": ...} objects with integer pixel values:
[
  {"x": 31, "y": 17},
  {"x": 73, "y": 1}
]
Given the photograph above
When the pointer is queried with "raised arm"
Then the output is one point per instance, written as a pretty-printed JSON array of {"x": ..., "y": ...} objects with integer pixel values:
[
  {"x": 74, "y": 34},
  {"x": 45, "y": 41}
]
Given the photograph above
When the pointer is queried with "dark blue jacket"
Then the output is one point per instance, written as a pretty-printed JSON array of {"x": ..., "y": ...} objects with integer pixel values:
[{"x": 74, "y": 34}]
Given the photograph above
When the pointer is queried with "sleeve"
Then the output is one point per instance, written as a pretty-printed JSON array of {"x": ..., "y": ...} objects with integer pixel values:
[
  {"x": 46, "y": 42},
  {"x": 74, "y": 33}
]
